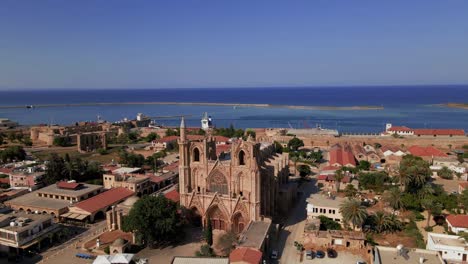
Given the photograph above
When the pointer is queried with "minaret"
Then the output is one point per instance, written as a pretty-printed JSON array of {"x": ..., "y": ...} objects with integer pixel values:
[{"x": 184, "y": 164}]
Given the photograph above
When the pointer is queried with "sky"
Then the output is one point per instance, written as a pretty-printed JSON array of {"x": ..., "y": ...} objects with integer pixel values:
[{"x": 211, "y": 43}]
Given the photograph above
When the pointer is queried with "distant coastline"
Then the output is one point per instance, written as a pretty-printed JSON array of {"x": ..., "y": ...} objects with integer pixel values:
[
  {"x": 457, "y": 105},
  {"x": 304, "y": 107}
]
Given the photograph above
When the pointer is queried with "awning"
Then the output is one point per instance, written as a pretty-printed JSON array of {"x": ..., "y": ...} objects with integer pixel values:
[{"x": 74, "y": 216}]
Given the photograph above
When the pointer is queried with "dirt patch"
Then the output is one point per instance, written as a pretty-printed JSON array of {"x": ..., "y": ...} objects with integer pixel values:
[{"x": 394, "y": 239}]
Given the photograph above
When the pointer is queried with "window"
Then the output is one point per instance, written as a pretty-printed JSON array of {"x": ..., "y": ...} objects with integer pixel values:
[
  {"x": 196, "y": 154},
  {"x": 241, "y": 157}
]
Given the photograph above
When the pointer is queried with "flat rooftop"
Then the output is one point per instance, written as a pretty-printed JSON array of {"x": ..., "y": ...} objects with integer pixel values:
[
  {"x": 32, "y": 200},
  {"x": 199, "y": 260},
  {"x": 124, "y": 170},
  {"x": 324, "y": 200},
  {"x": 389, "y": 255},
  {"x": 447, "y": 240},
  {"x": 29, "y": 220},
  {"x": 84, "y": 189},
  {"x": 255, "y": 234}
]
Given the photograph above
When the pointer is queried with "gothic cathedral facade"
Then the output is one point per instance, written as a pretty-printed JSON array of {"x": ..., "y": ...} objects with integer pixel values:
[{"x": 233, "y": 190}]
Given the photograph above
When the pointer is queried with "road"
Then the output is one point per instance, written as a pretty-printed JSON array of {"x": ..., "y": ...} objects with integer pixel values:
[{"x": 294, "y": 227}]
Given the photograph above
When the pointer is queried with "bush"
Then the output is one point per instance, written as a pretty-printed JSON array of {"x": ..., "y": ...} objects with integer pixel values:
[
  {"x": 107, "y": 250},
  {"x": 428, "y": 228},
  {"x": 102, "y": 151},
  {"x": 205, "y": 251},
  {"x": 418, "y": 216}
]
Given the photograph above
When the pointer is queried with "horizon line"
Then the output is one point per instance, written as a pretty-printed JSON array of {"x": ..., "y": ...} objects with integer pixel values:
[{"x": 231, "y": 87}]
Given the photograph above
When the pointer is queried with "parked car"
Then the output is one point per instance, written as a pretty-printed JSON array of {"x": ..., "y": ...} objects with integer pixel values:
[
  {"x": 309, "y": 254},
  {"x": 331, "y": 253},
  {"x": 274, "y": 254},
  {"x": 320, "y": 254},
  {"x": 360, "y": 262}
]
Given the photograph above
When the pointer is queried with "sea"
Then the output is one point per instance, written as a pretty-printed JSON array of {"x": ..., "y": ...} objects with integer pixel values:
[{"x": 412, "y": 106}]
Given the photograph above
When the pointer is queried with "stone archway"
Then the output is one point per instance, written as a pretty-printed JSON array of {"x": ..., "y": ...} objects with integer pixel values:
[
  {"x": 218, "y": 219},
  {"x": 238, "y": 223},
  {"x": 195, "y": 217}
]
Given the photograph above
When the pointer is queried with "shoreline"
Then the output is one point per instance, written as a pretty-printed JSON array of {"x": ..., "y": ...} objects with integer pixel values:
[
  {"x": 301, "y": 107},
  {"x": 456, "y": 105}
]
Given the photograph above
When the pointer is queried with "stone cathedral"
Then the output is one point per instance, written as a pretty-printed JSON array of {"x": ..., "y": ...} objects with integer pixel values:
[{"x": 232, "y": 190}]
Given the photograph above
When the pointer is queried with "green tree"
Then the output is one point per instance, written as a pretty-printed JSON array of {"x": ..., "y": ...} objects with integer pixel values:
[
  {"x": 413, "y": 173},
  {"x": 205, "y": 251},
  {"x": 445, "y": 173},
  {"x": 393, "y": 198},
  {"x": 251, "y": 133},
  {"x": 328, "y": 223},
  {"x": 54, "y": 169},
  {"x": 304, "y": 170},
  {"x": 226, "y": 243},
  {"x": 364, "y": 165},
  {"x": 339, "y": 175},
  {"x": 381, "y": 221},
  {"x": 432, "y": 206},
  {"x": 151, "y": 136},
  {"x": 12, "y": 153},
  {"x": 61, "y": 141},
  {"x": 208, "y": 232},
  {"x": 350, "y": 191},
  {"x": 172, "y": 132},
  {"x": 353, "y": 212},
  {"x": 375, "y": 181},
  {"x": 463, "y": 200},
  {"x": 1, "y": 139},
  {"x": 154, "y": 219},
  {"x": 278, "y": 147},
  {"x": 295, "y": 143}
]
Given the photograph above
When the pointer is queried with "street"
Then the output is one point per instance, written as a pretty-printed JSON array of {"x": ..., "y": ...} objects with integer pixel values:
[{"x": 294, "y": 226}]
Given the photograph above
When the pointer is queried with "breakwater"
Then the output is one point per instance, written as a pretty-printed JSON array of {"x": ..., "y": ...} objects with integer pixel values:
[{"x": 303, "y": 107}]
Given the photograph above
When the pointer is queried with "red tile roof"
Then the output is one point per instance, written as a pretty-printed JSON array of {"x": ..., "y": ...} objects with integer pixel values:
[
  {"x": 195, "y": 137},
  {"x": 172, "y": 167},
  {"x": 458, "y": 220},
  {"x": 6, "y": 170},
  {"x": 399, "y": 128},
  {"x": 322, "y": 177},
  {"x": 167, "y": 139},
  {"x": 221, "y": 139},
  {"x": 330, "y": 168},
  {"x": 341, "y": 156},
  {"x": 68, "y": 185},
  {"x": 346, "y": 179},
  {"x": 391, "y": 148},
  {"x": 439, "y": 132},
  {"x": 464, "y": 185},
  {"x": 5, "y": 180},
  {"x": 173, "y": 195},
  {"x": 222, "y": 148},
  {"x": 426, "y": 151},
  {"x": 104, "y": 199},
  {"x": 246, "y": 255}
]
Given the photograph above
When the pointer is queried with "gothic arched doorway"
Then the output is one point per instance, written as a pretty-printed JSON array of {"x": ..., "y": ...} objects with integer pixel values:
[
  {"x": 195, "y": 217},
  {"x": 217, "y": 218},
  {"x": 238, "y": 223}
]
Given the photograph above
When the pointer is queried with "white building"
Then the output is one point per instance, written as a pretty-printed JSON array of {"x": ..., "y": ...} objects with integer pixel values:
[
  {"x": 451, "y": 248},
  {"x": 402, "y": 255},
  {"x": 206, "y": 122},
  {"x": 318, "y": 204},
  {"x": 399, "y": 130},
  {"x": 457, "y": 223}
]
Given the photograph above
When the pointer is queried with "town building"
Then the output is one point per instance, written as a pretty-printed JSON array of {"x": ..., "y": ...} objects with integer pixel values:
[
  {"x": 54, "y": 199},
  {"x": 334, "y": 238},
  {"x": 457, "y": 223},
  {"x": 402, "y": 255},
  {"x": 231, "y": 192},
  {"x": 451, "y": 248},
  {"x": 451, "y": 162},
  {"x": 327, "y": 205},
  {"x": 427, "y": 153},
  {"x": 341, "y": 156},
  {"x": 6, "y": 123},
  {"x": 138, "y": 183},
  {"x": 97, "y": 206},
  {"x": 421, "y": 132},
  {"x": 115, "y": 259},
  {"x": 243, "y": 255},
  {"x": 365, "y": 153},
  {"x": 206, "y": 122},
  {"x": 91, "y": 141},
  {"x": 31, "y": 180},
  {"x": 22, "y": 230}
]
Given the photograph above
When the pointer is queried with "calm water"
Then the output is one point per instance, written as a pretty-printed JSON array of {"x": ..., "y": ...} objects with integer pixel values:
[{"x": 410, "y": 106}]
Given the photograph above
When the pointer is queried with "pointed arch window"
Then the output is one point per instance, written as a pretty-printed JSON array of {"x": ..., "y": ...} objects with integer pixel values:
[
  {"x": 241, "y": 157},
  {"x": 196, "y": 154}
]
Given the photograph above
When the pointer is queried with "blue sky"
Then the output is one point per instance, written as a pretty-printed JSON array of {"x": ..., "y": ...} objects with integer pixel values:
[{"x": 205, "y": 43}]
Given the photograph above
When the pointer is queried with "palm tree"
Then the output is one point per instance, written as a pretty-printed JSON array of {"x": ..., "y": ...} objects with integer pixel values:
[
  {"x": 394, "y": 222},
  {"x": 393, "y": 198},
  {"x": 381, "y": 221},
  {"x": 431, "y": 206},
  {"x": 69, "y": 169},
  {"x": 294, "y": 159},
  {"x": 338, "y": 178},
  {"x": 353, "y": 212},
  {"x": 426, "y": 191}
]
